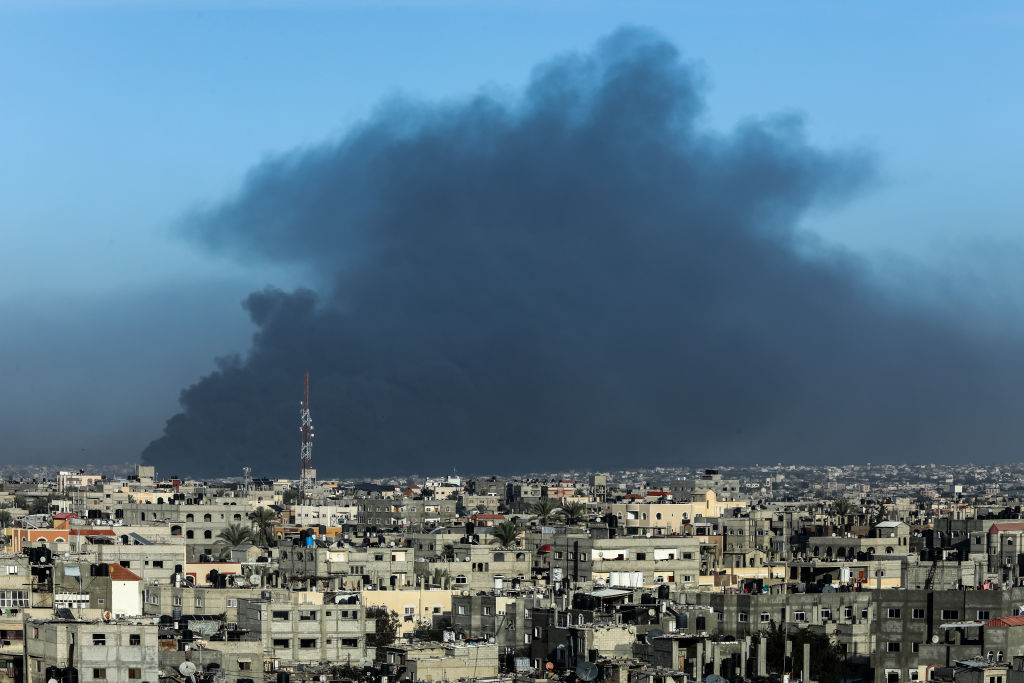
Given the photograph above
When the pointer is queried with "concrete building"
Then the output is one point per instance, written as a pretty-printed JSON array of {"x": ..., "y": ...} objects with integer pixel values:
[{"x": 119, "y": 651}]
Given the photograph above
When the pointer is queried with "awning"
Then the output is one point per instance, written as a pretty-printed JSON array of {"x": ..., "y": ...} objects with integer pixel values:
[{"x": 544, "y": 549}]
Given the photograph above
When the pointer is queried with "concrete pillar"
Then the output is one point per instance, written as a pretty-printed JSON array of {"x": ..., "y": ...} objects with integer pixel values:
[
  {"x": 698, "y": 663},
  {"x": 762, "y": 656},
  {"x": 716, "y": 659},
  {"x": 744, "y": 656},
  {"x": 807, "y": 663}
]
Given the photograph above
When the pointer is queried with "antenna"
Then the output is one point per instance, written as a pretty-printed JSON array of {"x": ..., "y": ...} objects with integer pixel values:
[
  {"x": 246, "y": 471},
  {"x": 307, "y": 475}
]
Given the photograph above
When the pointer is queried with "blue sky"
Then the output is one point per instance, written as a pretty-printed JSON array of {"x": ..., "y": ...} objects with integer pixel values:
[{"x": 117, "y": 118}]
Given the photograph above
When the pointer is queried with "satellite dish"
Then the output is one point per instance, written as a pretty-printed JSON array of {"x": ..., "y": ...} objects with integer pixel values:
[
  {"x": 186, "y": 668},
  {"x": 586, "y": 671},
  {"x": 935, "y": 638},
  {"x": 52, "y": 680},
  {"x": 651, "y": 612},
  {"x": 323, "y": 677}
]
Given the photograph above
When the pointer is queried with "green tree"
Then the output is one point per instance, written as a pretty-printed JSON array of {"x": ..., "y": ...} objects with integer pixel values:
[
  {"x": 5, "y": 518},
  {"x": 506, "y": 534},
  {"x": 448, "y": 552},
  {"x": 21, "y": 502},
  {"x": 290, "y": 496},
  {"x": 263, "y": 521},
  {"x": 881, "y": 514},
  {"x": 828, "y": 663},
  {"x": 386, "y": 626},
  {"x": 574, "y": 512},
  {"x": 544, "y": 509},
  {"x": 441, "y": 578},
  {"x": 40, "y": 505},
  {"x": 230, "y": 536}
]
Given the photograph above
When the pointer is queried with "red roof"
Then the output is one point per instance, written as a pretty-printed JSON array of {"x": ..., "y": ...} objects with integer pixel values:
[
  {"x": 1006, "y": 526},
  {"x": 65, "y": 515},
  {"x": 1007, "y": 621},
  {"x": 119, "y": 573},
  {"x": 488, "y": 516}
]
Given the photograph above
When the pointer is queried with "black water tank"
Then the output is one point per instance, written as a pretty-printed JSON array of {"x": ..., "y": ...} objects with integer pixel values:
[
  {"x": 284, "y": 677},
  {"x": 664, "y": 591},
  {"x": 69, "y": 675}
]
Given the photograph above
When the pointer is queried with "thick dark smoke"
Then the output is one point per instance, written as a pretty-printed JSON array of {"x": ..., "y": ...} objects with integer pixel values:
[{"x": 580, "y": 276}]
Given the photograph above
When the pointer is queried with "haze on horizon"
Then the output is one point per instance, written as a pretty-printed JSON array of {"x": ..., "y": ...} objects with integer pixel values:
[{"x": 588, "y": 249}]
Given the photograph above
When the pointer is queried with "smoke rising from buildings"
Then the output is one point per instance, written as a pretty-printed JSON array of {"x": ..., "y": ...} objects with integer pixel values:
[{"x": 580, "y": 275}]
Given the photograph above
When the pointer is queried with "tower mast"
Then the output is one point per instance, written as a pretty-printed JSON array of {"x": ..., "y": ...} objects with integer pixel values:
[{"x": 307, "y": 475}]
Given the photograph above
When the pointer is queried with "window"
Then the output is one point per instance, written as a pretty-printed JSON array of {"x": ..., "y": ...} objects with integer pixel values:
[
  {"x": 282, "y": 642},
  {"x": 487, "y": 611},
  {"x": 177, "y": 601},
  {"x": 307, "y": 643},
  {"x": 244, "y": 665},
  {"x": 743, "y": 617},
  {"x": 983, "y": 615},
  {"x": 892, "y": 646},
  {"x": 918, "y": 613},
  {"x": 158, "y": 564},
  {"x": 280, "y": 615},
  {"x": 14, "y": 599},
  {"x": 461, "y": 579},
  {"x": 826, "y": 613},
  {"x": 207, "y": 534},
  {"x": 99, "y": 639},
  {"x": 641, "y": 556},
  {"x": 894, "y": 613},
  {"x": 765, "y": 617},
  {"x": 134, "y": 639},
  {"x": 848, "y": 612},
  {"x": 915, "y": 647},
  {"x": 950, "y": 614},
  {"x": 799, "y": 616},
  {"x": 99, "y": 674},
  {"x": 307, "y": 615},
  {"x": 134, "y": 673},
  {"x": 232, "y": 602},
  {"x": 199, "y": 602},
  {"x": 350, "y": 642},
  {"x": 461, "y": 610}
]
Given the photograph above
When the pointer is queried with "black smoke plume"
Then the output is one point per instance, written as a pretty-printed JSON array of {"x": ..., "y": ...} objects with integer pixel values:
[{"x": 580, "y": 276}]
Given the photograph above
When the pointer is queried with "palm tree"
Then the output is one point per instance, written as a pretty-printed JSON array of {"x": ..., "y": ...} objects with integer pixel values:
[
  {"x": 574, "y": 512},
  {"x": 544, "y": 508},
  {"x": 441, "y": 578},
  {"x": 506, "y": 534},
  {"x": 841, "y": 508},
  {"x": 263, "y": 520},
  {"x": 230, "y": 536}
]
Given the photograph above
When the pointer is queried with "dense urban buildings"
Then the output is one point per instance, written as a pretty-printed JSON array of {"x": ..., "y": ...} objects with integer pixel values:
[{"x": 880, "y": 573}]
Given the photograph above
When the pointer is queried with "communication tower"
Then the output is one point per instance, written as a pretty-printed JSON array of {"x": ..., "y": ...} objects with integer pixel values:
[{"x": 307, "y": 475}]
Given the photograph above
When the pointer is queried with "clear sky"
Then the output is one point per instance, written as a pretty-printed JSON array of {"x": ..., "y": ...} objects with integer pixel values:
[{"x": 117, "y": 118}]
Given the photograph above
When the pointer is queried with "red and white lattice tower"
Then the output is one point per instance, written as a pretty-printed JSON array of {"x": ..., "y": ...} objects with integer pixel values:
[{"x": 307, "y": 475}]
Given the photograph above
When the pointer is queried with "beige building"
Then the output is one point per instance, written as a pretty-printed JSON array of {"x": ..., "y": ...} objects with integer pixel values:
[{"x": 414, "y": 606}]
